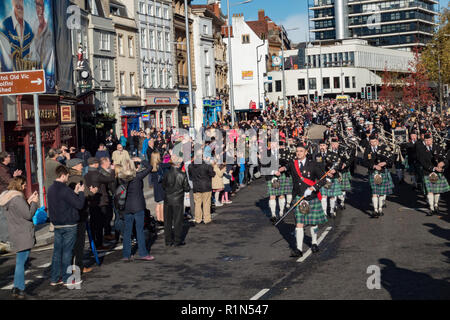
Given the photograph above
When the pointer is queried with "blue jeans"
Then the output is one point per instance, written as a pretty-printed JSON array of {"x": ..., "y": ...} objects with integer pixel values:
[
  {"x": 19, "y": 274},
  {"x": 62, "y": 252},
  {"x": 129, "y": 219},
  {"x": 84, "y": 171}
]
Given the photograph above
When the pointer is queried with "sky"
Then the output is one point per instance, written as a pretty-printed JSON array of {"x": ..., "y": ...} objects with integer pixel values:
[{"x": 289, "y": 13}]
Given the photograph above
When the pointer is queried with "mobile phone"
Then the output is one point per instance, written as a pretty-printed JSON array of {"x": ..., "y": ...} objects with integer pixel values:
[{"x": 81, "y": 183}]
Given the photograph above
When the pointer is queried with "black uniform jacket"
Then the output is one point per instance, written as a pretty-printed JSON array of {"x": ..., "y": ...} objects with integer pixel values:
[
  {"x": 374, "y": 158},
  {"x": 428, "y": 159},
  {"x": 311, "y": 171}
]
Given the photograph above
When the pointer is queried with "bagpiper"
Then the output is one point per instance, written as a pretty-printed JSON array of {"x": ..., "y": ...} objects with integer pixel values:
[
  {"x": 307, "y": 179},
  {"x": 432, "y": 159},
  {"x": 378, "y": 159}
]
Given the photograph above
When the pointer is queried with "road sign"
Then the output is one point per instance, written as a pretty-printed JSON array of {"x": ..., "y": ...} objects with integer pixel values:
[{"x": 22, "y": 82}]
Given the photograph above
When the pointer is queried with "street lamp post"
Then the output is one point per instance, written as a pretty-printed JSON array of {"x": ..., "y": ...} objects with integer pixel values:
[
  {"x": 191, "y": 105},
  {"x": 230, "y": 62},
  {"x": 258, "y": 60}
]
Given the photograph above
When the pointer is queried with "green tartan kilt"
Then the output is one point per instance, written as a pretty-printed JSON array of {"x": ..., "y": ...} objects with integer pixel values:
[
  {"x": 346, "y": 181},
  {"x": 315, "y": 215},
  {"x": 286, "y": 186},
  {"x": 386, "y": 187},
  {"x": 441, "y": 186},
  {"x": 334, "y": 191}
]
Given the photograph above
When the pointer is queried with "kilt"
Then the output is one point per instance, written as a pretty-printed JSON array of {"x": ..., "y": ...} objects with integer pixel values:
[
  {"x": 441, "y": 186},
  {"x": 334, "y": 191},
  {"x": 386, "y": 187},
  {"x": 346, "y": 184},
  {"x": 286, "y": 186},
  {"x": 315, "y": 215}
]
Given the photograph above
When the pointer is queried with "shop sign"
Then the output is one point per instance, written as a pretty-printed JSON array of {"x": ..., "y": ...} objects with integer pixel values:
[
  {"x": 247, "y": 75},
  {"x": 145, "y": 117},
  {"x": 66, "y": 113},
  {"x": 130, "y": 111},
  {"x": 48, "y": 115},
  {"x": 185, "y": 120}
]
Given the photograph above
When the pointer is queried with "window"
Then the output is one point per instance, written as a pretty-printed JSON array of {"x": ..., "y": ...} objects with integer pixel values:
[
  {"x": 142, "y": 8},
  {"x": 301, "y": 84},
  {"x": 158, "y": 12},
  {"x": 120, "y": 38},
  {"x": 336, "y": 82},
  {"x": 326, "y": 83},
  {"x": 160, "y": 41},
  {"x": 207, "y": 58},
  {"x": 153, "y": 75},
  {"x": 278, "y": 86},
  {"x": 166, "y": 13},
  {"x": 146, "y": 80},
  {"x": 168, "y": 45},
  {"x": 104, "y": 69},
  {"x": 347, "y": 82},
  {"x": 143, "y": 38},
  {"x": 354, "y": 82},
  {"x": 207, "y": 85},
  {"x": 270, "y": 87},
  {"x": 131, "y": 46},
  {"x": 132, "y": 84},
  {"x": 122, "y": 83},
  {"x": 150, "y": 10},
  {"x": 161, "y": 78},
  {"x": 170, "y": 81},
  {"x": 205, "y": 29},
  {"x": 152, "y": 39},
  {"x": 245, "y": 38},
  {"x": 312, "y": 84},
  {"x": 103, "y": 97},
  {"x": 104, "y": 41}
]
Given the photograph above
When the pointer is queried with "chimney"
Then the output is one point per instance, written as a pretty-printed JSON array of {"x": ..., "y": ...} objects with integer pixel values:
[{"x": 261, "y": 15}]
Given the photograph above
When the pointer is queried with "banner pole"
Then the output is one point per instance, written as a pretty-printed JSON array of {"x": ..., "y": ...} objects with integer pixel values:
[{"x": 38, "y": 148}]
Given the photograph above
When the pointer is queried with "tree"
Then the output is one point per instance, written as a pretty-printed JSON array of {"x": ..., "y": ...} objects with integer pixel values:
[
  {"x": 415, "y": 90},
  {"x": 387, "y": 90}
]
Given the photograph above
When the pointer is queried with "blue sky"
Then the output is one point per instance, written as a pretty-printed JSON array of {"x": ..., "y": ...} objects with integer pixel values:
[{"x": 290, "y": 13}]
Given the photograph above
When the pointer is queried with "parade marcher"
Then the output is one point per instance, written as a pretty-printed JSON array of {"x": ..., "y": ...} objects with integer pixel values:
[
  {"x": 411, "y": 154},
  {"x": 432, "y": 160},
  {"x": 330, "y": 160},
  {"x": 378, "y": 159},
  {"x": 19, "y": 213},
  {"x": 306, "y": 176}
]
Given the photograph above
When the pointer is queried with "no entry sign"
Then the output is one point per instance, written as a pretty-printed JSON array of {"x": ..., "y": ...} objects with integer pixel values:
[{"x": 22, "y": 82}]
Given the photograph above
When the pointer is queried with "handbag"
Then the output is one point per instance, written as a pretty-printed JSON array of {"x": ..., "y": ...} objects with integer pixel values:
[{"x": 40, "y": 216}]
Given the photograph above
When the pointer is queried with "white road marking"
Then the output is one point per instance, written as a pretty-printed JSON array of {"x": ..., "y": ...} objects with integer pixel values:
[
  {"x": 9, "y": 287},
  {"x": 45, "y": 265},
  {"x": 259, "y": 294},
  {"x": 308, "y": 253}
]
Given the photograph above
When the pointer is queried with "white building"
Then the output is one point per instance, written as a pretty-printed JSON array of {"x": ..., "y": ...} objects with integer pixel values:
[
  {"x": 343, "y": 68},
  {"x": 204, "y": 67},
  {"x": 246, "y": 50}
]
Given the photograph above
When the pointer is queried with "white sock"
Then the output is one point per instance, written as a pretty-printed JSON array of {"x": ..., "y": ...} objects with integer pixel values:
[
  {"x": 324, "y": 204},
  {"x": 436, "y": 200},
  {"x": 281, "y": 202},
  {"x": 375, "y": 203},
  {"x": 382, "y": 201},
  {"x": 333, "y": 205},
  {"x": 314, "y": 230},
  {"x": 299, "y": 237},
  {"x": 430, "y": 198},
  {"x": 288, "y": 200},
  {"x": 273, "y": 206}
]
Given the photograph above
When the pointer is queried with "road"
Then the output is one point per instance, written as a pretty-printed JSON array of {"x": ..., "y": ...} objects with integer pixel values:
[{"x": 243, "y": 256}]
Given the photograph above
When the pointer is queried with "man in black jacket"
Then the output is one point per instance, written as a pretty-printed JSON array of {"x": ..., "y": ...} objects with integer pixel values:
[
  {"x": 84, "y": 155},
  {"x": 97, "y": 220},
  {"x": 64, "y": 205},
  {"x": 201, "y": 176},
  {"x": 175, "y": 184}
]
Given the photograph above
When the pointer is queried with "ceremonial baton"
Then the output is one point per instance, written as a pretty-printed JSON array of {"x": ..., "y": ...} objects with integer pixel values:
[{"x": 301, "y": 199}]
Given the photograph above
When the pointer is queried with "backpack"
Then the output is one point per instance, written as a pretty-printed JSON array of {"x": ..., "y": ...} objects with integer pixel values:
[{"x": 120, "y": 196}]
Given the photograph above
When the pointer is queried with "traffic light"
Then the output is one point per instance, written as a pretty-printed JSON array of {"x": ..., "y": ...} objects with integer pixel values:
[
  {"x": 369, "y": 92},
  {"x": 363, "y": 92}
]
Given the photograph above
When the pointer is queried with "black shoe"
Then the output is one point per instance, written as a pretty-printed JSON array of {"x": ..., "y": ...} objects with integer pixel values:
[
  {"x": 374, "y": 215},
  {"x": 315, "y": 248},
  {"x": 180, "y": 244},
  {"x": 169, "y": 244},
  {"x": 17, "y": 293},
  {"x": 273, "y": 219},
  {"x": 430, "y": 213},
  {"x": 436, "y": 211},
  {"x": 295, "y": 253}
]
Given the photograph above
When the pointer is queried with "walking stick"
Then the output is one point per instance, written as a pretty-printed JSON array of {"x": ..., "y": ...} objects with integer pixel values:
[{"x": 301, "y": 199}]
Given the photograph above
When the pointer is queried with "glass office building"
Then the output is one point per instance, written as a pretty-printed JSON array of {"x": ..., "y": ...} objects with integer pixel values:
[{"x": 397, "y": 24}]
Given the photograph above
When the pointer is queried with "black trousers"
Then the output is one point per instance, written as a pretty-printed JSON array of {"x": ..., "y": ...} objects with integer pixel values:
[
  {"x": 107, "y": 213},
  {"x": 173, "y": 216},
  {"x": 96, "y": 223},
  {"x": 78, "y": 248}
]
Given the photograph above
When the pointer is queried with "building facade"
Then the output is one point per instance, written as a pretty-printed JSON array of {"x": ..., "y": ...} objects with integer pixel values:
[
  {"x": 249, "y": 54},
  {"x": 398, "y": 24},
  {"x": 179, "y": 24},
  {"x": 341, "y": 69}
]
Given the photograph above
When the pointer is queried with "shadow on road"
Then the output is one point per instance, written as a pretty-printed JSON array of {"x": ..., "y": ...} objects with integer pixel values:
[{"x": 404, "y": 284}]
